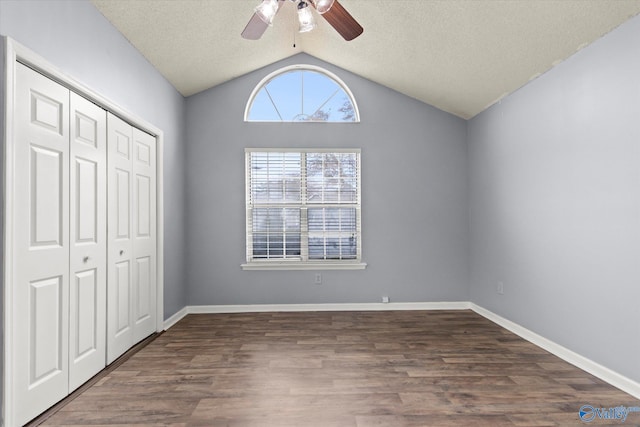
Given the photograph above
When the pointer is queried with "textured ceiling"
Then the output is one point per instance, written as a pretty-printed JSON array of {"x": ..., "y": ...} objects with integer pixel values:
[{"x": 458, "y": 55}]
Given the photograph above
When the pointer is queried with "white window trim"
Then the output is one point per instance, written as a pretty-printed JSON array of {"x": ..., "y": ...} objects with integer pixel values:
[
  {"x": 303, "y": 265},
  {"x": 296, "y": 264},
  {"x": 301, "y": 67}
]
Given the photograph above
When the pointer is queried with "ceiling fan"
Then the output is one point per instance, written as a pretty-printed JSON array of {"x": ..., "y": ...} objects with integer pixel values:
[{"x": 331, "y": 10}]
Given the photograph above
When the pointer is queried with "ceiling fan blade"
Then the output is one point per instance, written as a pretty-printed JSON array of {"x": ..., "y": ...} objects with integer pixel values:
[
  {"x": 256, "y": 27},
  {"x": 342, "y": 21}
]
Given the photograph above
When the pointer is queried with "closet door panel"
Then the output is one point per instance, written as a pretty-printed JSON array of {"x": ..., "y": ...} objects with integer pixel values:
[
  {"x": 88, "y": 227},
  {"x": 122, "y": 298},
  {"x": 131, "y": 236},
  {"x": 120, "y": 304},
  {"x": 144, "y": 167},
  {"x": 143, "y": 287},
  {"x": 41, "y": 244},
  {"x": 86, "y": 341},
  {"x": 47, "y": 193},
  {"x": 122, "y": 208}
]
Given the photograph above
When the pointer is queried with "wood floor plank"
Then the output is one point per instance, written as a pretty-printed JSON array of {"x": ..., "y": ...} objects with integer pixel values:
[{"x": 343, "y": 369}]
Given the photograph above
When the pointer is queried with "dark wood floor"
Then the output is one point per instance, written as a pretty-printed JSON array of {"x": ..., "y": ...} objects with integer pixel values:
[{"x": 410, "y": 368}]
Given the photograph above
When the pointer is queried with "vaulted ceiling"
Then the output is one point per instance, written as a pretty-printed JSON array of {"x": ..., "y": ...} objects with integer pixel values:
[{"x": 458, "y": 55}]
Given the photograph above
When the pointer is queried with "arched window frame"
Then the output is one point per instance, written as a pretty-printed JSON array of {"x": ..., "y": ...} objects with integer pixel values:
[{"x": 300, "y": 67}]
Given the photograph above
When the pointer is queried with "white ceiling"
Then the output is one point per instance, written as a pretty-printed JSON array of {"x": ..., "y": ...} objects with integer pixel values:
[{"x": 458, "y": 55}]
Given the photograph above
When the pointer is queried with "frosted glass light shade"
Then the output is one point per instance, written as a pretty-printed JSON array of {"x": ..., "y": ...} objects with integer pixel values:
[
  {"x": 267, "y": 11},
  {"x": 305, "y": 17},
  {"x": 323, "y": 6}
]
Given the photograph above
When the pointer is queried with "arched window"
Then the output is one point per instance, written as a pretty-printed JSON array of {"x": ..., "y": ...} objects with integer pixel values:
[{"x": 301, "y": 93}]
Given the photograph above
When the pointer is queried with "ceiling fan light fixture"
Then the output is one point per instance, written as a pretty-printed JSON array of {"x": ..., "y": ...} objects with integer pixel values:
[
  {"x": 323, "y": 6},
  {"x": 305, "y": 17},
  {"x": 267, "y": 11}
]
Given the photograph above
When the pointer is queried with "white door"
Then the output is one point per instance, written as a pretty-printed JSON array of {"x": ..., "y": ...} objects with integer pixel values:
[
  {"x": 120, "y": 242},
  {"x": 83, "y": 242},
  {"x": 41, "y": 251},
  {"x": 144, "y": 234},
  {"x": 131, "y": 288},
  {"x": 88, "y": 241}
]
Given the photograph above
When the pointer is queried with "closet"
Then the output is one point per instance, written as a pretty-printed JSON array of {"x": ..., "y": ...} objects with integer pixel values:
[{"x": 84, "y": 241}]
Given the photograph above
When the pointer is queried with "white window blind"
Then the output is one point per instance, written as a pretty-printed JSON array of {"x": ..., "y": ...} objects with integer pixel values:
[{"x": 303, "y": 207}]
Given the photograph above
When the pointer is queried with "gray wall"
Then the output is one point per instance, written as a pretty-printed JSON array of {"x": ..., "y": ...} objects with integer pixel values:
[
  {"x": 75, "y": 37},
  {"x": 413, "y": 190},
  {"x": 554, "y": 172},
  {"x": 1, "y": 224}
]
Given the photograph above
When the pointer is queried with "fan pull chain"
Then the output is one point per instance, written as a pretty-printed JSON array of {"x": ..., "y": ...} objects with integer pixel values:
[{"x": 294, "y": 35}]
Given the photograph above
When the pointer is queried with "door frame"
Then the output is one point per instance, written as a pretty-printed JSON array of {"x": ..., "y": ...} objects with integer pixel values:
[{"x": 15, "y": 52}]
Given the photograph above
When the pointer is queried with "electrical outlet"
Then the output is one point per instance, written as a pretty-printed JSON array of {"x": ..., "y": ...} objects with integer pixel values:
[
  {"x": 385, "y": 300},
  {"x": 500, "y": 288},
  {"x": 318, "y": 279}
]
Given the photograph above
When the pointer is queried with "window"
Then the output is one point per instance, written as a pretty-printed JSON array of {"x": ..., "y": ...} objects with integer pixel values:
[
  {"x": 302, "y": 93},
  {"x": 303, "y": 209}
]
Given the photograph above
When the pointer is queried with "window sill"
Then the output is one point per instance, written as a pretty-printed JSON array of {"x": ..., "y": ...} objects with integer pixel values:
[{"x": 304, "y": 265}]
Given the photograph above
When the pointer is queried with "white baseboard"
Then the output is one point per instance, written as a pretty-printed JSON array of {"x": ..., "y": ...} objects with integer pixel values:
[
  {"x": 615, "y": 379},
  {"x": 262, "y": 308},
  {"x": 176, "y": 318}
]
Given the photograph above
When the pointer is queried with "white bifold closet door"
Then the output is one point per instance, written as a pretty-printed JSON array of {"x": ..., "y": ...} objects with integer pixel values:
[
  {"x": 60, "y": 242},
  {"x": 41, "y": 203},
  {"x": 88, "y": 241},
  {"x": 84, "y": 241},
  {"x": 131, "y": 237}
]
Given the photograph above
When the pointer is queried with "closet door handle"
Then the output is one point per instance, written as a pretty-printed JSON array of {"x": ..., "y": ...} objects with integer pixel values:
[
  {"x": 85, "y": 259},
  {"x": 121, "y": 251}
]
